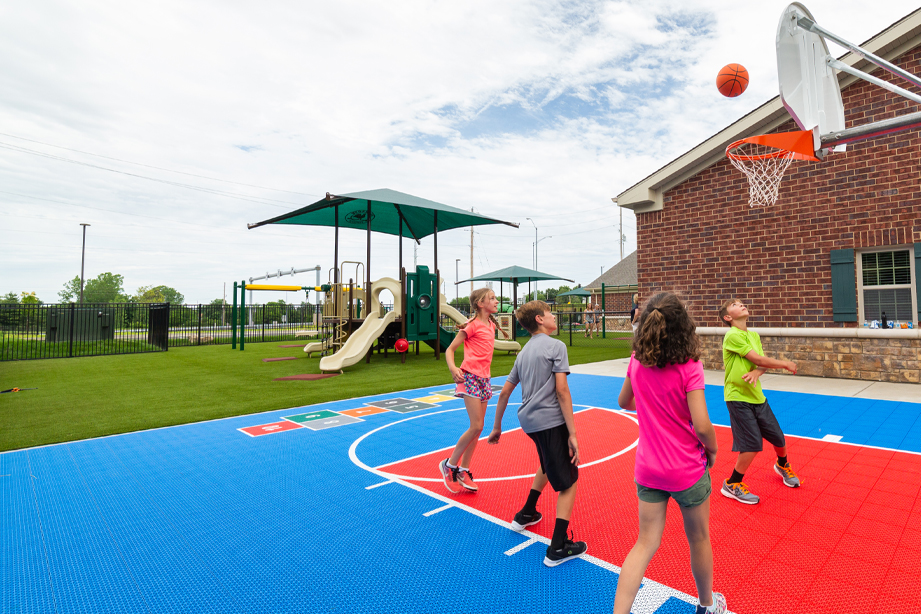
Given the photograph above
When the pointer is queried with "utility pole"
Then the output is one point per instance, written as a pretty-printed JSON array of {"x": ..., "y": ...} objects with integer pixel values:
[
  {"x": 471, "y": 255},
  {"x": 456, "y": 279},
  {"x": 82, "y": 260}
]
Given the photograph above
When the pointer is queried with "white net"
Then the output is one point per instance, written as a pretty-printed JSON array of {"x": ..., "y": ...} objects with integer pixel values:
[{"x": 764, "y": 166}]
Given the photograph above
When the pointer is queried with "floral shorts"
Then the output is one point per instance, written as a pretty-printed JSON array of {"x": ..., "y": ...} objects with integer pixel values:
[{"x": 474, "y": 386}]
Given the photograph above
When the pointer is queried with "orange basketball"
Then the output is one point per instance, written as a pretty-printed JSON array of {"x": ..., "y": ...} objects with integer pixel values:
[{"x": 732, "y": 80}]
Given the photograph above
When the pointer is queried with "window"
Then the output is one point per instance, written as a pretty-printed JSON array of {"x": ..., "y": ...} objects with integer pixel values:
[{"x": 886, "y": 285}]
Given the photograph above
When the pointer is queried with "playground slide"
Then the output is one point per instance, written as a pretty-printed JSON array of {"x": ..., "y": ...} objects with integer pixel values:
[
  {"x": 360, "y": 341},
  {"x": 502, "y": 345}
]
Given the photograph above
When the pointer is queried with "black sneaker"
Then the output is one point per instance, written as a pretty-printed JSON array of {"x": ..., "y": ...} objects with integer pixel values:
[
  {"x": 523, "y": 520},
  {"x": 570, "y": 550}
]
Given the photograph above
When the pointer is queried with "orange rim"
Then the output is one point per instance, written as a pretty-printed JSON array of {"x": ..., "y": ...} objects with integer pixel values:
[{"x": 797, "y": 144}]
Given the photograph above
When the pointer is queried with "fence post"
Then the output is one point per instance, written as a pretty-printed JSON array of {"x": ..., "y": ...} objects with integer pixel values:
[
  {"x": 263, "y": 322},
  {"x": 570, "y": 329},
  {"x": 233, "y": 319},
  {"x": 604, "y": 308},
  {"x": 243, "y": 318},
  {"x": 199, "y": 324},
  {"x": 70, "y": 343}
]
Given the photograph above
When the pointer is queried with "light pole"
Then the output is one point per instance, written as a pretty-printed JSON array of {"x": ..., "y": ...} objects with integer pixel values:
[
  {"x": 534, "y": 254},
  {"x": 457, "y": 282},
  {"x": 535, "y": 260},
  {"x": 82, "y": 260}
]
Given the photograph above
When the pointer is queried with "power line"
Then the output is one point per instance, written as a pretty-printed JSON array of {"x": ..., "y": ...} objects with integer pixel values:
[
  {"x": 159, "y": 168},
  {"x": 262, "y": 201}
]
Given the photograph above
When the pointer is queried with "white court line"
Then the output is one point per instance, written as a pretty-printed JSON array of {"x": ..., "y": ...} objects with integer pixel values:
[
  {"x": 520, "y": 547},
  {"x": 379, "y": 484},
  {"x": 508, "y": 477},
  {"x": 834, "y": 438},
  {"x": 439, "y": 509},
  {"x": 651, "y": 592}
]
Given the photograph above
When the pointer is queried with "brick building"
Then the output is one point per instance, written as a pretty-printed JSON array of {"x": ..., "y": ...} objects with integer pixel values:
[{"x": 841, "y": 245}]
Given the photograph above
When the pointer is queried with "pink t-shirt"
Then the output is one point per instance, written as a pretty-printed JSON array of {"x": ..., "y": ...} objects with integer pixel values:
[
  {"x": 669, "y": 456},
  {"x": 478, "y": 347}
]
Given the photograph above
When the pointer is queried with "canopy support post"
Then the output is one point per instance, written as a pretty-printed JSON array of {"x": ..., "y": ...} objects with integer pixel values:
[
  {"x": 368, "y": 300},
  {"x": 437, "y": 296}
]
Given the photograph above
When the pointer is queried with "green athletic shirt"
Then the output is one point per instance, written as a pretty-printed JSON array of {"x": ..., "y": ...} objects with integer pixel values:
[{"x": 736, "y": 345}]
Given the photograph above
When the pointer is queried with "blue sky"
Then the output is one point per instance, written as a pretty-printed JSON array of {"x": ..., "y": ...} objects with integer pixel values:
[{"x": 170, "y": 126}]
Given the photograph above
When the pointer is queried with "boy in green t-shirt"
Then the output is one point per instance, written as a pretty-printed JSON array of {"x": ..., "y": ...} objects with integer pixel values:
[{"x": 750, "y": 414}]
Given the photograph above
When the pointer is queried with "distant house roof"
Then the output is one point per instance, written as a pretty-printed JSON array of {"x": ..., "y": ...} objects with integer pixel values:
[{"x": 621, "y": 274}]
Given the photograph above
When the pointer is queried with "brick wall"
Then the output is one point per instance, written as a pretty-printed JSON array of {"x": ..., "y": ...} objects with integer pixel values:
[
  {"x": 709, "y": 245},
  {"x": 616, "y": 302}
]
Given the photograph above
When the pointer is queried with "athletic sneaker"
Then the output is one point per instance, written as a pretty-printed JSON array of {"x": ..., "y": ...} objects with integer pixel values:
[
  {"x": 789, "y": 478},
  {"x": 739, "y": 491},
  {"x": 465, "y": 479},
  {"x": 718, "y": 607},
  {"x": 523, "y": 520},
  {"x": 570, "y": 550},
  {"x": 449, "y": 476}
]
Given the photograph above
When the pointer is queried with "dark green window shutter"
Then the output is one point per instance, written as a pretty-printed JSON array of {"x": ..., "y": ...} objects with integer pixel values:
[
  {"x": 844, "y": 285},
  {"x": 918, "y": 281}
]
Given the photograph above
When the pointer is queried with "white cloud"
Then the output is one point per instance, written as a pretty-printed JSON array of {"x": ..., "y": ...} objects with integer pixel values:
[{"x": 530, "y": 109}]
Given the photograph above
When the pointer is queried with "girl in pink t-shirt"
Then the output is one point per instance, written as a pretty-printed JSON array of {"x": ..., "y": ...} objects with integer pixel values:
[
  {"x": 665, "y": 386},
  {"x": 473, "y": 385}
]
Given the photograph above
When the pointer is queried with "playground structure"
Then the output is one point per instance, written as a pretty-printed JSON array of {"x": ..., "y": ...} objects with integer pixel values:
[
  {"x": 418, "y": 303},
  {"x": 351, "y": 337}
]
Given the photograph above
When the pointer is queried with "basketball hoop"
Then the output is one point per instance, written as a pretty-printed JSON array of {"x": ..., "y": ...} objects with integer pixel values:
[{"x": 765, "y": 158}]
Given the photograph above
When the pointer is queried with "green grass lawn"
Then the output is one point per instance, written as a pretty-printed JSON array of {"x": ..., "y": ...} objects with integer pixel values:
[{"x": 79, "y": 398}]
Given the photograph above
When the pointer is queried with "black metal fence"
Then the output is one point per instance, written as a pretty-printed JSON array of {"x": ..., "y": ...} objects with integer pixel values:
[
  {"x": 609, "y": 329},
  {"x": 61, "y": 331}
]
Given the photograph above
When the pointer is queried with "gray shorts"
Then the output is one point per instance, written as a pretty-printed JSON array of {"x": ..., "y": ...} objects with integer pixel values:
[
  {"x": 751, "y": 423},
  {"x": 689, "y": 497}
]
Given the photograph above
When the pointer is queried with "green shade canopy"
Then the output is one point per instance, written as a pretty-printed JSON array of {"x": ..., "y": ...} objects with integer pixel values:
[
  {"x": 512, "y": 275},
  {"x": 388, "y": 207},
  {"x": 576, "y": 292}
]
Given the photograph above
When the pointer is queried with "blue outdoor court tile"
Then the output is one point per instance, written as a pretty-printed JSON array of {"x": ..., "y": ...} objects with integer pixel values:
[
  {"x": 676, "y": 606},
  {"x": 24, "y": 584}
]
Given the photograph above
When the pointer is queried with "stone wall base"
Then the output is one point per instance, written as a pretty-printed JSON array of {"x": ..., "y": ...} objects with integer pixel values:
[{"x": 875, "y": 360}]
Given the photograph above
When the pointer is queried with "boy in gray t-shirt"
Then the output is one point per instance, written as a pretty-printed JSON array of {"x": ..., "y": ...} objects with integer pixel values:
[{"x": 546, "y": 417}]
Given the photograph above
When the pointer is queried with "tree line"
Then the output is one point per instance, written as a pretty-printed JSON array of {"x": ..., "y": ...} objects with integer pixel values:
[{"x": 105, "y": 288}]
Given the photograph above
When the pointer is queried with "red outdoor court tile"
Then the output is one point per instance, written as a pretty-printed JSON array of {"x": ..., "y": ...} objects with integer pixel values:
[
  {"x": 891, "y": 500},
  {"x": 780, "y": 577},
  {"x": 871, "y": 552},
  {"x": 911, "y": 538},
  {"x": 799, "y": 555},
  {"x": 834, "y": 501},
  {"x": 906, "y": 559},
  {"x": 853, "y": 570},
  {"x": 770, "y": 524},
  {"x": 897, "y": 605},
  {"x": 900, "y": 586},
  {"x": 876, "y": 530},
  {"x": 831, "y": 595},
  {"x": 884, "y": 512},
  {"x": 855, "y": 482},
  {"x": 864, "y": 469},
  {"x": 826, "y": 518}
]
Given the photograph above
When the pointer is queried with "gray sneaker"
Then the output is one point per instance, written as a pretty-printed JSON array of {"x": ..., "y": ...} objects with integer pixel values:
[
  {"x": 739, "y": 491},
  {"x": 789, "y": 478}
]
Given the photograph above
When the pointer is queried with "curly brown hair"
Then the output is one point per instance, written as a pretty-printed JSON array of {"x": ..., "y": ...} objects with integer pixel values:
[{"x": 667, "y": 333}]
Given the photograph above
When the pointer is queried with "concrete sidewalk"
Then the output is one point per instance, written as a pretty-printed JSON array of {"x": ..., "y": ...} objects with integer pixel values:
[{"x": 861, "y": 389}]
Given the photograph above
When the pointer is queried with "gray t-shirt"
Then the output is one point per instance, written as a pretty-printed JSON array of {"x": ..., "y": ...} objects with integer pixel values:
[{"x": 535, "y": 367}]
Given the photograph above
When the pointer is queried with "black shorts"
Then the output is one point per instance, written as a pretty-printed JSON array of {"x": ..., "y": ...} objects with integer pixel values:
[
  {"x": 751, "y": 423},
  {"x": 553, "y": 451}
]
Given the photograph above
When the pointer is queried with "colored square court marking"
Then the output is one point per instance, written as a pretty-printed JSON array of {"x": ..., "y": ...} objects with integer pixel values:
[
  {"x": 316, "y": 415},
  {"x": 389, "y": 403},
  {"x": 359, "y": 412},
  {"x": 412, "y": 406},
  {"x": 268, "y": 429},
  {"x": 328, "y": 423},
  {"x": 434, "y": 398}
]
